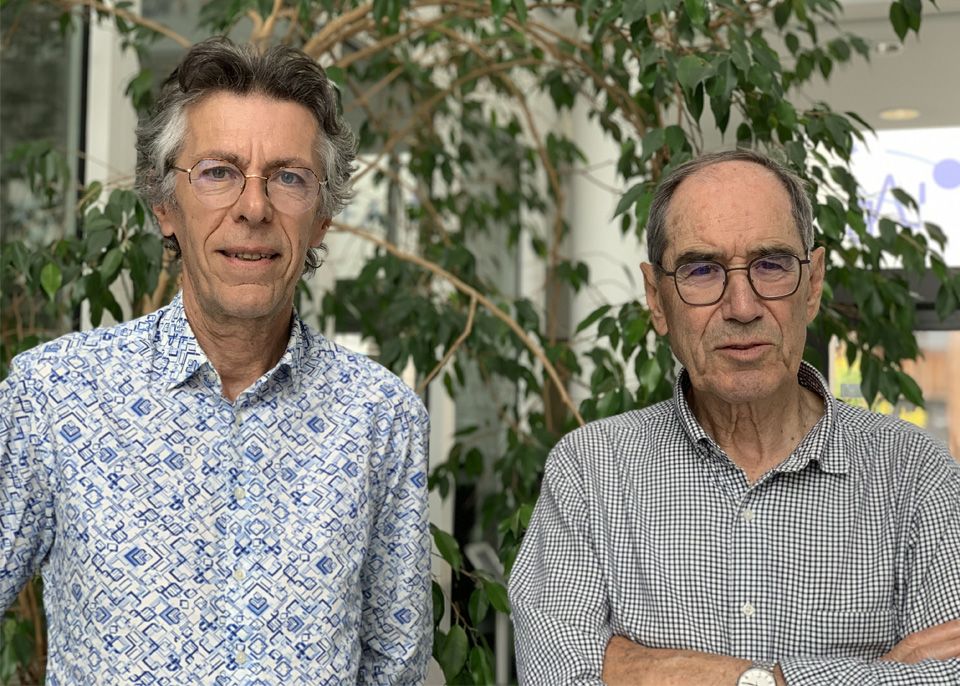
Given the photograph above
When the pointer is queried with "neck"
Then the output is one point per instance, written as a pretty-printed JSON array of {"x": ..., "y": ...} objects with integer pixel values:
[
  {"x": 758, "y": 436},
  {"x": 240, "y": 350}
]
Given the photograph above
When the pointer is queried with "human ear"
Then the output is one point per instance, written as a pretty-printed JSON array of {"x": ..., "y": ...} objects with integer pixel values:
[
  {"x": 817, "y": 275},
  {"x": 165, "y": 218},
  {"x": 319, "y": 231},
  {"x": 651, "y": 286}
]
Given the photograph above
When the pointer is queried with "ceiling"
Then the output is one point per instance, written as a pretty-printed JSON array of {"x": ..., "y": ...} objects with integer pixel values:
[{"x": 923, "y": 75}]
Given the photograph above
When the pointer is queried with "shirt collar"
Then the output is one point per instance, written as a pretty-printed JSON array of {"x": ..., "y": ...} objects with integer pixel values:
[
  {"x": 179, "y": 356},
  {"x": 823, "y": 444}
]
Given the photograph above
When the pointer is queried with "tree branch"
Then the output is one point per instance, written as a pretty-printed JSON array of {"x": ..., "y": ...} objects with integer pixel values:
[
  {"x": 132, "y": 17},
  {"x": 488, "y": 304},
  {"x": 429, "y": 104},
  {"x": 453, "y": 348}
]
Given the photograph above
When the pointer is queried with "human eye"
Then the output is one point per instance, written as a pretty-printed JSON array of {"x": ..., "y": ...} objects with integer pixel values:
[
  {"x": 774, "y": 264},
  {"x": 291, "y": 177},
  {"x": 699, "y": 271},
  {"x": 216, "y": 171}
]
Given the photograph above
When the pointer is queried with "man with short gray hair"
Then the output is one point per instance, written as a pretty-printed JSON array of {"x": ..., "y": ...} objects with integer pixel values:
[
  {"x": 215, "y": 493},
  {"x": 752, "y": 531}
]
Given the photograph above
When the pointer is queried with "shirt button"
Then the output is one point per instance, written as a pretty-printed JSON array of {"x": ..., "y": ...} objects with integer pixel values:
[
  {"x": 239, "y": 493},
  {"x": 748, "y": 610},
  {"x": 239, "y": 574},
  {"x": 748, "y": 515},
  {"x": 241, "y": 657}
]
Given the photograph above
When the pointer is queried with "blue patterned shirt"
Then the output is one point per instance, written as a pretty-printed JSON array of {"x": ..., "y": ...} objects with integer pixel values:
[{"x": 187, "y": 539}]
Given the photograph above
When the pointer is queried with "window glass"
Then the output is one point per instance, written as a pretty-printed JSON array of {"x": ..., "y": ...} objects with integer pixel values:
[{"x": 38, "y": 66}]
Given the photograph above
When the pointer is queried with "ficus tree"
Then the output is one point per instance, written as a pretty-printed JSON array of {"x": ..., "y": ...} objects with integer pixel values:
[{"x": 447, "y": 97}]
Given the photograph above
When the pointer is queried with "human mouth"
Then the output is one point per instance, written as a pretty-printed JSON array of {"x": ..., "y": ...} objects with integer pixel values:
[
  {"x": 249, "y": 256},
  {"x": 745, "y": 351}
]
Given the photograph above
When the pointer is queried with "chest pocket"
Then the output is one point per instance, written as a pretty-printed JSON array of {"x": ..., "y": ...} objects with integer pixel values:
[{"x": 849, "y": 633}]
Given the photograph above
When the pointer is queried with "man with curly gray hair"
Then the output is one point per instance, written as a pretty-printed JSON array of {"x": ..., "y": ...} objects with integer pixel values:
[{"x": 215, "y": 493}]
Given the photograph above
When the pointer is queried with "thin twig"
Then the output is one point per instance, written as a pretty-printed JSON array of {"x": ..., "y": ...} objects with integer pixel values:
[
  {"x": 488, "y": 304},
  {"x": 453, "y": 348},
  {"x": 129, "y": 16},
  {"x": 333, "y": 31},
  {"x": 430, "y": 103}
]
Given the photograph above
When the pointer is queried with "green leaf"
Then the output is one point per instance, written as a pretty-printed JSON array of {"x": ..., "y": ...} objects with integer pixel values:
[
  {"x": 676, "y": 138},
  {"x": 899, "y": 20},
  {"x": 653, "y": 140},
  {"x": 336, "y": 74},
  {"x": 692, "y": 70},
  {"x": 781, "y": 14},
  {"x": 438, "y": 603},
  {"x": 90, "y": 195},
  {"x": 910, "y": 389},
  {"x": 632, "y": 10},
  {"x": 453, "y": 653},
  {"x": 481, "y": 665},
  {"x": 652, "y": 374},
  {"x": 520, "y": 7},
  {"x": 936, "y": 233},
  {"x": 448, "y": 547},
  {"x": 524, "y": 514},
  {"x": 905, "y": 199},
  {"x": 595, "y": 315},
  {"x": 50, "y": 279},
  {"x": 629, "y": 198},
  {"x": 478, "y": 606},
  {"x": 792, "y": 43},
  {"x": 473, "y": 463},
  {"x": 96, "y": 242},
  {"x": 498, "y": 596},
  {"x": 914, "y": 10},
  {"x": 111, "y": 265},
  {"x": 696, "y": 10}
]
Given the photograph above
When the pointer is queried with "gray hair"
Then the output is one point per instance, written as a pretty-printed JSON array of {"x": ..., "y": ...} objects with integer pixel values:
[
  {"x": 657, "y": 222},
  {"x": 217, "y": 65}
]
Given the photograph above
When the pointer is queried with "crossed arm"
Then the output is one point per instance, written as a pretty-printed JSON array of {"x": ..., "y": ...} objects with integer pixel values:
[
  {"x": 626, "y": 663},
  {"x": 566, "y": 625}
]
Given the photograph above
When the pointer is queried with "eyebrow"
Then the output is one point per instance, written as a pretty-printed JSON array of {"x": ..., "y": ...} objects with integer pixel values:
[
  {"x": 236, "y": 160},
  {"x": 688, "y": 256}
]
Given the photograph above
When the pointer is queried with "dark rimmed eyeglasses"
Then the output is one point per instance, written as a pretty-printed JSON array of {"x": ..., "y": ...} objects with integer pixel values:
[
  {"x": 703, "y": 282},
  {"x": 218, "y": 184}
]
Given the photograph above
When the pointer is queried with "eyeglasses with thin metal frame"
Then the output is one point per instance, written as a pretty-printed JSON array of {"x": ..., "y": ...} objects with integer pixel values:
[
  {"x": 703, "y": 282},
  {"x": 219, "y": 183}
]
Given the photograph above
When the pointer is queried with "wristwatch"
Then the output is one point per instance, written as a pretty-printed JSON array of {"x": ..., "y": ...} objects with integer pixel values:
[{"x": 760, "y": 673}]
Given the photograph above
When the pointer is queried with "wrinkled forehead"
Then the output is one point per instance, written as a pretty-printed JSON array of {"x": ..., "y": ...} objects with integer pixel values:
[
  {"x": 247, "y": 127},
  {"x": 730, "y": 209}
]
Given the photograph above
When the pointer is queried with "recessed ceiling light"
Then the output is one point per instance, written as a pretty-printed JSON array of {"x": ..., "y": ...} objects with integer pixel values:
[{"x": 899, "y": 114}]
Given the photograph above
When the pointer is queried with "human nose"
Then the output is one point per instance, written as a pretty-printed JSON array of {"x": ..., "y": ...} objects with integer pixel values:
[
  {"x": 740, "y": 301},
  {"x": 253, "y": 206}
]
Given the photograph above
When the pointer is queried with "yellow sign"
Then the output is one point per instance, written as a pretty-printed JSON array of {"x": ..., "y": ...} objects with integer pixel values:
[{"x": 845, "y": 385}]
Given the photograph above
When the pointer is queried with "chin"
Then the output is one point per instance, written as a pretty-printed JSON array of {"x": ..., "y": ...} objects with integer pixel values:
[{"x": 252, "y": 302}]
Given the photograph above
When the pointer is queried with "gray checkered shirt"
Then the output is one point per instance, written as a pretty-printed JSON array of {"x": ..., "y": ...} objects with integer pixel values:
[{"x": 646, "y": 529}]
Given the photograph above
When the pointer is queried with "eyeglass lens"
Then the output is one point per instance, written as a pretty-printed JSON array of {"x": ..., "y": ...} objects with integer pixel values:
[
  {"x": 218, "y": 183},
  {"x": 771, "y": 276}
]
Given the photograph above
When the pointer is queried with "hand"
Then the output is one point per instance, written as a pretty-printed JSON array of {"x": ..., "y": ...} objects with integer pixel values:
[{"x": 939, "y": 642}]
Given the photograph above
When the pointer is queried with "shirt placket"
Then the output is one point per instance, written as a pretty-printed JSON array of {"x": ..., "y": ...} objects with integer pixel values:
[
  {"x": 239, "y": 554},
  {"x": 750, "y": 612}
]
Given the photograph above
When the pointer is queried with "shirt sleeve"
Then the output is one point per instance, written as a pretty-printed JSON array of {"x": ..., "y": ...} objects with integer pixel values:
[
  {"x": 931, "y": 595},
  {"x": 26, "y": 500},
  {"x": 397, "y": 617},
  {"x": 557, "y": 593}
]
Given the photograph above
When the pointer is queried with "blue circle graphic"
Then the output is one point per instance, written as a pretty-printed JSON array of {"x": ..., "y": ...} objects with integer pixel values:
[{"x": 947, "y": 173}]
